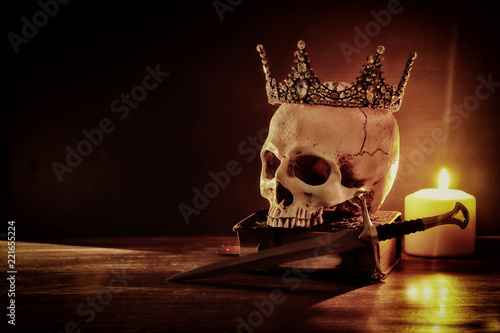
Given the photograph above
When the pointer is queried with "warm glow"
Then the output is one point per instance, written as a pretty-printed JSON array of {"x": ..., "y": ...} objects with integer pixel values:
[
  {"x": 444, "y": 180},
  {"x": 437, "y": 298}
]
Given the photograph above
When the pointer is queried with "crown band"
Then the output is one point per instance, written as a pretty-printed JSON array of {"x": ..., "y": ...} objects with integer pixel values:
[{"x": 369, "y": 89}]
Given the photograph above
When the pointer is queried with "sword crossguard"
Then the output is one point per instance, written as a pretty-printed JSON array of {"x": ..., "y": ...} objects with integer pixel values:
[{"x": 370, "y": 234}]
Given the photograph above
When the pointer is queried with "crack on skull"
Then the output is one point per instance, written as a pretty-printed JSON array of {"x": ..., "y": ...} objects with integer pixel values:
[
  {"x": 371, "y": 154},
  {"x": 361, "y": 153},
  {"x": 364, "y": 130},
  {"x": 361, "y": 150}
]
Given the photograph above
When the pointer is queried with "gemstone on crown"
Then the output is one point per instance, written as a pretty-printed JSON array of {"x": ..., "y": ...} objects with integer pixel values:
[{"x": 369, "y": 89}]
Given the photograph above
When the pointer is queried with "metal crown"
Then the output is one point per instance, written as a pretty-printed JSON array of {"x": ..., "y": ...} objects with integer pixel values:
[{"x": 369, "y": 89}]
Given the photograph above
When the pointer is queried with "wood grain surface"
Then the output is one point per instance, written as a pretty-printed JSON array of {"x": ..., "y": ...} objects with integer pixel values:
[{"x": 119, "y": 285}]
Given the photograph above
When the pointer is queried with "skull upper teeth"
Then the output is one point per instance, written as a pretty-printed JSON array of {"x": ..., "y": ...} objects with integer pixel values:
[{"x": 299, "y": 220}]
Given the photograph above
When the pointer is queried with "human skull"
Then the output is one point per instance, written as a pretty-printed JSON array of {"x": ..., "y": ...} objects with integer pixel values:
[{"x": 316, "y": 157}]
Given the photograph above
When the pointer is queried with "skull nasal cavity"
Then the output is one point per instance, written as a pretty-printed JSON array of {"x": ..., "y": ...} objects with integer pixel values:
[
  {"x": 282, "y": 193},
  {"x": 271, "y": 163}
]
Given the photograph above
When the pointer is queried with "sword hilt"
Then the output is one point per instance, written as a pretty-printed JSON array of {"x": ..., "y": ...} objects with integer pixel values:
[
  {"x": 388, "y": 231},
  {"x": 374, "y": 234}
]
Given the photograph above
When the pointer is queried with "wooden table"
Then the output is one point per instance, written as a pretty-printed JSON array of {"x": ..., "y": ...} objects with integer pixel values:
[{"x": 119, "y": 285}]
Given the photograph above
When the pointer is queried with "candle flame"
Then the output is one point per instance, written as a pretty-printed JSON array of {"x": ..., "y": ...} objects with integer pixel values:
[{"x": 444, "y": 180}]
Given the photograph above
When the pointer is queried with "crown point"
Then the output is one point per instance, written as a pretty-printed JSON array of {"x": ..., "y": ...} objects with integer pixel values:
[
  {"x": 302, "y": 67},
  {"x": 369, "y": 89},
  {"x": 301, "y": 88}
]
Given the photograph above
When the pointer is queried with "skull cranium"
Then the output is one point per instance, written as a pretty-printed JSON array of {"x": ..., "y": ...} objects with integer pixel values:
[{"x": 316, "y": 157}]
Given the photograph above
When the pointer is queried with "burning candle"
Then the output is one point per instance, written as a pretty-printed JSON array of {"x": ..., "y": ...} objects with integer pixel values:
[{"x": 445, "y": 240}]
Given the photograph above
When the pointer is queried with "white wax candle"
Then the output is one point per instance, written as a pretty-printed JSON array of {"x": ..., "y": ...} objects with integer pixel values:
[{"x": 446, "y": 240}]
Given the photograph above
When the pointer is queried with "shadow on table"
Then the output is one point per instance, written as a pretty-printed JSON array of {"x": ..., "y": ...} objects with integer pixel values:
[
  {"x": 295, "y": 281},
  {"x": 291, "y": 298}
]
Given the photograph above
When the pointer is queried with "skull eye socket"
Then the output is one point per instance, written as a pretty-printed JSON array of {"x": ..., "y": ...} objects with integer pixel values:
[
  {"x": 272, "y": 164},
  {"x": 347, "y": 175},
  {"x": 312, "y": 170}
]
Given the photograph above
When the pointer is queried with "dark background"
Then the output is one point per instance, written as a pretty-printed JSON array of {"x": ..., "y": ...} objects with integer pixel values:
[{"x": 66, "y": 77}]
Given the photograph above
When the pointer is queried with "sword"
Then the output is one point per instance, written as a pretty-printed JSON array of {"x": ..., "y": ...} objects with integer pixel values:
[{"x": 337, "y": 242}]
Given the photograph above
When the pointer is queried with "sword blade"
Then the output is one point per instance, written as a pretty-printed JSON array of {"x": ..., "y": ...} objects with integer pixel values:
[{"x": 337, "y": 242}]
